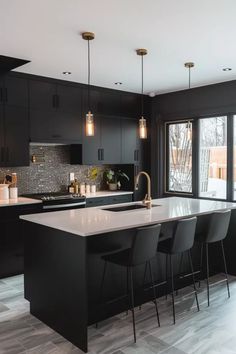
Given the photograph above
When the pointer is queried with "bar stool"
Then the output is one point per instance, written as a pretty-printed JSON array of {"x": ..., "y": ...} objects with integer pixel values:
[
  {"x": 181, "y": 241},
  {"x": 143, "y": 249},
  {"x": 216, "y": 232}
]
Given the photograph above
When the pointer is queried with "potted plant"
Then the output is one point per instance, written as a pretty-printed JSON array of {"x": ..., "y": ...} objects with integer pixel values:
[{"x": 112, "y": 178}]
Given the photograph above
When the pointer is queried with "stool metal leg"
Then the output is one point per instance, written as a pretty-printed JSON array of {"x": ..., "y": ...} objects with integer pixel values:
[
  {"x": 207, "y": 266},
  {"x": 225, "y": 266},
  {"x": 172, "y": 287},
  {"x": 154, "y": 292},
  {"x": 166, "y": 276},
  {"x": 194, "y": 285},
  {"x": 132, "y": 300},
  {"x": 201, "y": 260},
  {"x": 180, "y": 268}
]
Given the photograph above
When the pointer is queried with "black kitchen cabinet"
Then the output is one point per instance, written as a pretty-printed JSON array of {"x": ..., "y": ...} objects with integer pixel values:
[
  {"x": 42, "y": 96},
  {"x": 14, "y": 122},
  {"x": 16, "y": 136},
  {"x": 114, "y": 199},
  {"x": 92, "y": 152},
  {"x": 130, "y": 142},
  {"x": 12, "y": 239},
  {"x": 105, "y": 146},
  {"x": 111, "y": 140},
  {"x": 16, "y": 91},
  {"x": 55, "y": 113}
]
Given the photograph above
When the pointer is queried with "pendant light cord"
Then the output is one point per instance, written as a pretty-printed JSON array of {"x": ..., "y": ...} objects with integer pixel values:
[
  {"x": 89, "y": 108},
  {"x": 142, "y": 84},
  {"x": 189, "y": 77}
]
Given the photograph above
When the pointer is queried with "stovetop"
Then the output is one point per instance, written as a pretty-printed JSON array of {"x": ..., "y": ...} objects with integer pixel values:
[{"x": 54, "y": 196}]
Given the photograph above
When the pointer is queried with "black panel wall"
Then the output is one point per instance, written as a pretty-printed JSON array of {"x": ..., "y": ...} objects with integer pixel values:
[{"x": 199, "y": 102}]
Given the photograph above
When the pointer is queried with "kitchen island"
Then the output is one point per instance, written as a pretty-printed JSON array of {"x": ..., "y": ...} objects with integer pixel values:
[{"x": 63, "y": 265}]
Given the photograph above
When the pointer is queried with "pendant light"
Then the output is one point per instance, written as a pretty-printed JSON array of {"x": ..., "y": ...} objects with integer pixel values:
[
  {"x": 189, "y": 66},
  {"x": 89, "y": 127},
  {"x": 142, "y": 120}
]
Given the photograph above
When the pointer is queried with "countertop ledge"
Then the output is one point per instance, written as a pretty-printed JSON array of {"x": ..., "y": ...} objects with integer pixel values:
[
  {"x": 95, "y": 221},
  {"x": 107, "y": 194},
  {"x": 19, "y": 201}
]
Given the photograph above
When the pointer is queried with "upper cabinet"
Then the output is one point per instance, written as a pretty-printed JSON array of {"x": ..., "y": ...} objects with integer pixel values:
[
  {"x": 55, "y": 112},
  {"x": 14, "y": 122}
]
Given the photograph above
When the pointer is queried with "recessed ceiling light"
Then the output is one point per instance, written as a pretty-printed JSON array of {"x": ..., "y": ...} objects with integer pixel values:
[
  {"x": 227, "y": 69},
  {"x": 118, "y": 83},
  {"x": 66, "y": 73}
]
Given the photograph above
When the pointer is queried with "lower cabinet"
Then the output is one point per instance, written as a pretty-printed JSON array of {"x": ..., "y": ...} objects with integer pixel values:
[
  {"x": 92, "y": 202},
  {"x": 12, "y": 239}
]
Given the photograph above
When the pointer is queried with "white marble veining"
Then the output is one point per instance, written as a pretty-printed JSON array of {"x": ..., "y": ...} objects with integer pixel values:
[
  {"x": 106, "y": 194},
  {"x": 18, "y": 201},
  {"x": 92, "y": 221}
]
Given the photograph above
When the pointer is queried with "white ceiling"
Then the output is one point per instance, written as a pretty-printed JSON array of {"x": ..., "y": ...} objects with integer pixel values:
[{"x": 47, "y": 32}]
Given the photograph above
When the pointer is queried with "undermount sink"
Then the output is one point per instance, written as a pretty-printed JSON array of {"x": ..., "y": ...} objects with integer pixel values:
[{"x": 128, "y": 207}]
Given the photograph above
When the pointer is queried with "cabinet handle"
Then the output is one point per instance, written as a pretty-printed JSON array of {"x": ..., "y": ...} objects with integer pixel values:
[
  {"x": 6, "y": 95},
  {"x": 2, "y": 154},
  {"x": 7, "y": 154},
  {"x": 137, "y": 154},
  {"x": 57, "y": 101},
  {"x": 1, "y": 95},
  {"x": 134, "y": 155},
  {"x": 56, "y": 136},
  {"x": 99, "y": 155},
  {"x": 102, "y": 155}
]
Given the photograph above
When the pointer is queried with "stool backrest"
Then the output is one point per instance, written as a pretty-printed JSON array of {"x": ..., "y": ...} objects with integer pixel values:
[
  {"x": 183, "y": 237},
  {"x": 144, "y": 244},
  {"x": 218, "y": 226}
]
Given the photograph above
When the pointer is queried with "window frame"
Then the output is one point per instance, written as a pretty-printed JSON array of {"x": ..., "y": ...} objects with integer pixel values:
[
  {"x": 195, "y": 120},
  {"x": 167, "y": 157}
]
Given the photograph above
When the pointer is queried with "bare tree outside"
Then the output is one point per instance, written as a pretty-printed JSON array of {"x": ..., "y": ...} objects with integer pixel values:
[
  {"x": 180, "y": 157},
  {"x": 213, "y": 157}
]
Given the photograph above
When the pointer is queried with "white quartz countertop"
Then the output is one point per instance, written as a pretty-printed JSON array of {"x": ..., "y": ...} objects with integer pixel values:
[
  {"x": 92, "y": 221},
  {"x": 106, "y": 194},
  {"x": 18, "y": 201}
]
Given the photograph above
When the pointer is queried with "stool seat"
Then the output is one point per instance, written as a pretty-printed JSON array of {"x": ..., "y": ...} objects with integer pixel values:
[{"x": 121, "y": 258}]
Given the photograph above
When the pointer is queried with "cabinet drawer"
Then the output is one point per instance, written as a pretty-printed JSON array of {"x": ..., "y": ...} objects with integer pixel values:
[{"x": 92, "y": 202}]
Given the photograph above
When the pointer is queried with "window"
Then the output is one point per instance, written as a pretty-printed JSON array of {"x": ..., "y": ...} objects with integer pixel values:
[
  {"x": 213, "y": 157},
  {"x": 179, "y": 157},
  {"x": 234, "y": 159}
]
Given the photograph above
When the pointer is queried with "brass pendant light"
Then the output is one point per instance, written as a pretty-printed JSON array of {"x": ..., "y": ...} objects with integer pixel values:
[
  {"x": 189, "y": 66},
  {"x": 89, "y": 128},
  {"x": 142, "y": 120}
]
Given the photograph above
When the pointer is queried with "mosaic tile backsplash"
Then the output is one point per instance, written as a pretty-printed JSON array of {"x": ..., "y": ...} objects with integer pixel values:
[{"x": 52, "y": 173}]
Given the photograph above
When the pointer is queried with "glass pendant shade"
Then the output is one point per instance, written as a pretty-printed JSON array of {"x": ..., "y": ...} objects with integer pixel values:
[
  {"x": 142, "y": 128},
  {"x": 89, "y": 124}
]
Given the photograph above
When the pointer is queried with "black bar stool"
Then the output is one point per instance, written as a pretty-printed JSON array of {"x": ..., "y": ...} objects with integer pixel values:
[
  {"x": 181, "y": 241},
  {"x": 216, "y": 232},
  {"x": 142, "y": 250}
]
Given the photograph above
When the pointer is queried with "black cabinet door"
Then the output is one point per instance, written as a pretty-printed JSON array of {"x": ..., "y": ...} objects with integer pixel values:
[
  {"x": 69, "y": 100},
  {"x": 1, "y": 90},
  {"x": 42, "y": 95},
  {"x": 110, "y": 104},
  {"x": 92, "y": 152},
  {"x": 130, "y": 105},
  {"x": 16, "y": 92},
  {"x": 2, "y": 143},
  {"x": 111, "y": 140},
  {"x": 16, "y": 136},
  {"x": 130, "y": 149}
]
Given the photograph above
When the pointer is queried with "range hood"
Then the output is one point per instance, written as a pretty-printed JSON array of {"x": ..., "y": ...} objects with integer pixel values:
[{"x": 9, "y": 63}]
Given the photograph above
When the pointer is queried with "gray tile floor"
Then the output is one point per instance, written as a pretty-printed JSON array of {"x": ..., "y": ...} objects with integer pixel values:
[{"x": 210, "y": 331}]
